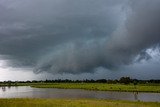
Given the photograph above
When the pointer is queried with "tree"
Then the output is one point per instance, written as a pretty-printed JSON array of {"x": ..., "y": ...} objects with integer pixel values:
[{"x": 125, "y": 80}]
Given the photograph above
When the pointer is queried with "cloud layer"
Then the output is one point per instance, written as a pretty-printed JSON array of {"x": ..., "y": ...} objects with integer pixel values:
[{"x": 68, "y": 36}]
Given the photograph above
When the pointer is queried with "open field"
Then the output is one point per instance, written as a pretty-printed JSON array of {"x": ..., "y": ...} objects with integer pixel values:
[
  {"x": 95, "y": 86},
  {"x": 102, "y": 87},
  {"x": 72, "y": 103}
]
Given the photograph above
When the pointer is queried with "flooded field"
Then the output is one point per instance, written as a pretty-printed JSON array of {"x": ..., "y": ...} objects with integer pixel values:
[{"x": 29, "y": 92}]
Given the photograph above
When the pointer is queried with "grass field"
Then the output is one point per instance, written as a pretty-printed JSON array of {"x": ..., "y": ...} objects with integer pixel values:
[
  {"x": 72, "y": 103},
  {"x": 102, "y": 87},
  {"x": 95, "y": 86}
]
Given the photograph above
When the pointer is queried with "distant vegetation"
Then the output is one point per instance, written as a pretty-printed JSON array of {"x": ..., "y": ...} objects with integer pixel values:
[
  {"x": 122, "y": 80},
  {"x": 72, "y": 103}
]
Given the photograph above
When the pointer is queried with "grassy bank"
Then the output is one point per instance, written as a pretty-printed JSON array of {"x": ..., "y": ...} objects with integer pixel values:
[
  {"x": 72, "y": 103},
  {"x": 102, "y": 87},
  {"x": 95, "y": 86}
]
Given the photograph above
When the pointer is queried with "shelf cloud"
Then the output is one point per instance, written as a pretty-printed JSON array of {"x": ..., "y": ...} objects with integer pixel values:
[{"x": 71, "y": 36}]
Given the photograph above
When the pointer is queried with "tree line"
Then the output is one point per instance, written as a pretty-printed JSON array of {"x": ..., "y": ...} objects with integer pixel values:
[{"x": 122, "y": 80}]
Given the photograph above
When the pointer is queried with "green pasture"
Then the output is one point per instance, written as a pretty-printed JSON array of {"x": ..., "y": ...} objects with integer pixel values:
[
  {"x": 102, "y": 87},
  {"x": 72, "y": 103}
]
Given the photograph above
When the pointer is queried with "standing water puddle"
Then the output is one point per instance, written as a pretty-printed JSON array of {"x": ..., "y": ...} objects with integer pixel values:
[{"x": 29, "y": 92}]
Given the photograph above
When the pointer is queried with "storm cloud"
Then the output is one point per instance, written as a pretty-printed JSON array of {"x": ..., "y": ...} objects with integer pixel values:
[{"x": 77, "y": 36}]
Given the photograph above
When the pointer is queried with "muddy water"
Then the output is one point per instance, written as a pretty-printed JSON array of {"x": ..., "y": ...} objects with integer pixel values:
[{"x": 29, "y": 92}]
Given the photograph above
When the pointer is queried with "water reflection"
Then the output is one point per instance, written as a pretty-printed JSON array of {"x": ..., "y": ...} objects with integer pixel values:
[
  {"x": 26, "y": 91},
  {"x": 9, "y": 87},
  {"x": 3, "y": 89},
  {"x": 135, "y": 95}
]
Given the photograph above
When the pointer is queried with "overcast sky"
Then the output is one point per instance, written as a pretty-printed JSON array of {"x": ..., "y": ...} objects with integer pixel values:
[{"x": 79, "y": 39}]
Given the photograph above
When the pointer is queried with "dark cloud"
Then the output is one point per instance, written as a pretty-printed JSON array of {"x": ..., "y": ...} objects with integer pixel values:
[
  {"x": 140, "y": 31},
  {"x": 68, "y": 36}
]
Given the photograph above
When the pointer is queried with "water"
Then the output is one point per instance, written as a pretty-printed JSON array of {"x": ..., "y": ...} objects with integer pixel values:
[{"x": 29, "y": 92}]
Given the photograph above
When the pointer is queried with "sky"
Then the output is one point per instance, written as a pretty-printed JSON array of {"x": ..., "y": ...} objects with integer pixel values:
[{"x": 79, "y": 39}]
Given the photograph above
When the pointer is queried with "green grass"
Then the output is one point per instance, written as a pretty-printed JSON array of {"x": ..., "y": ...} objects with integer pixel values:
[
  {"x": 102, "y": 87},
  {"x": 95, "y": 86},
  {"x": 72, "y": 103}
]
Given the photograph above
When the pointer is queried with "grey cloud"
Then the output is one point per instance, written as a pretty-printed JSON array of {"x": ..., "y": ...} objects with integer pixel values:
[{"x": 68, "y": 36}]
